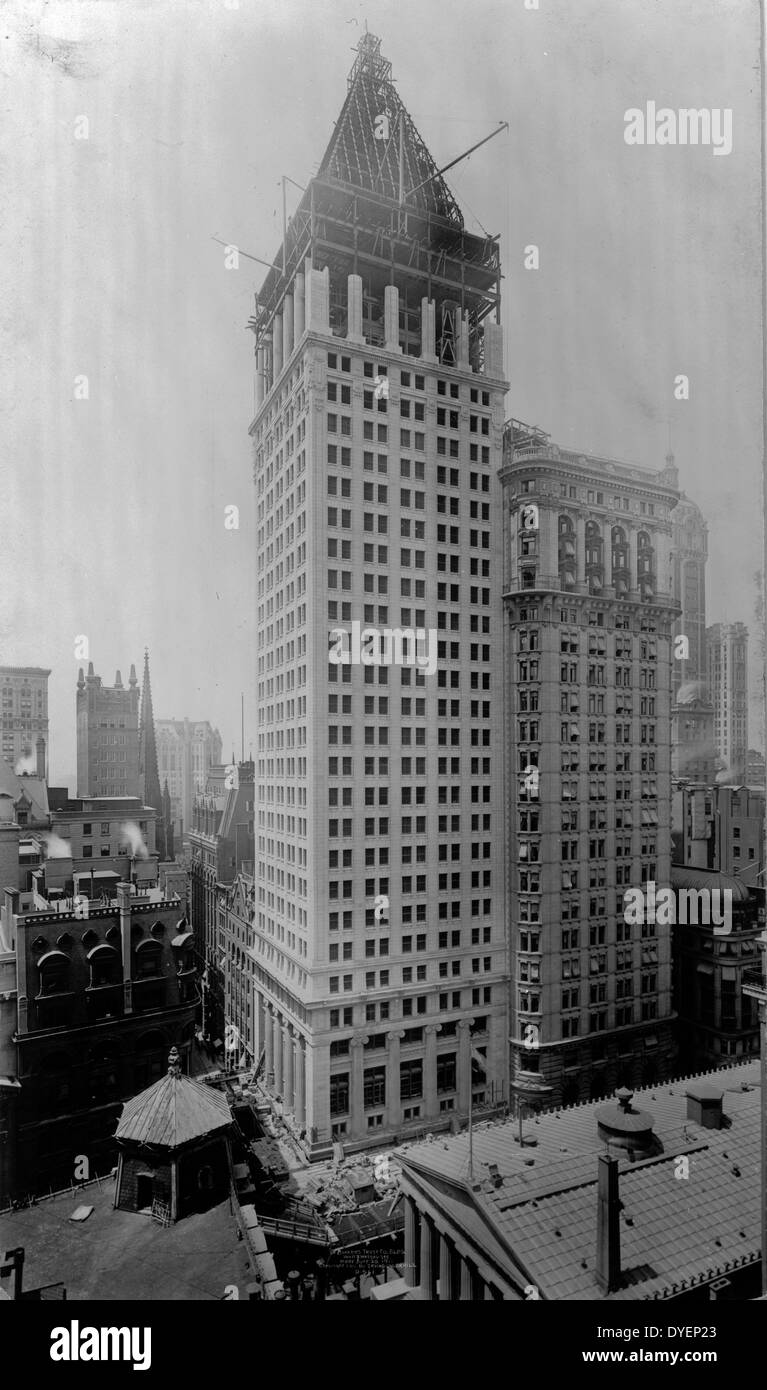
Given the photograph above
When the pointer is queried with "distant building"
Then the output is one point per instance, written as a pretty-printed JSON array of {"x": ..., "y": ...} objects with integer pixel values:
[
  {"x": 719, "y": 828},
  {"x": 107, "y": 736},
  {"x": 756, "y": 774},
  {"x": 222, "y": 846},
  {"x": 24, "y": 699},
  {"x": 693, "y": 752},
  {"x": 149, "y": 776},
  {"x": 727, "y": 648},
  {"x": 186, "y": 751},
  {"x": 235, "y": 906},
  {"x": 101, "y": 995}
]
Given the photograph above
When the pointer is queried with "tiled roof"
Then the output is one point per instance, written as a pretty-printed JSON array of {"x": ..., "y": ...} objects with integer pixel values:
[
  {"x": 172, "y": 1112},
  {"x": 540, "y": 1199}
]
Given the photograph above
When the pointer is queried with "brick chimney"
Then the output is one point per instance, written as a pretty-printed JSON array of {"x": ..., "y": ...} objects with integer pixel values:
[
  {"x": 608, "y": 1270},
  {"x": 123, "y": 903},
  {"x": 704, "y": 1105},
  {"x": 40, "y": 748}
]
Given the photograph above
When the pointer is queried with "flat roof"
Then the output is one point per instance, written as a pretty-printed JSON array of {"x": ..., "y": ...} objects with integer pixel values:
[{"x": 121, "y": 1255}]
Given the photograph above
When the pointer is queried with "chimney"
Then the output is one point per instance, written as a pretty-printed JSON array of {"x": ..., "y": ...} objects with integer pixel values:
[
  {"x": 40, "y": 747},
  {"x": 608, "y": 1270},
  {"x": 704, "y": 1105},
  {"x": 123, "y": 903}
]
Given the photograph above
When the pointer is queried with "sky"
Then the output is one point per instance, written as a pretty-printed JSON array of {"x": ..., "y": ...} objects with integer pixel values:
[{"x": 133, "y": 134}]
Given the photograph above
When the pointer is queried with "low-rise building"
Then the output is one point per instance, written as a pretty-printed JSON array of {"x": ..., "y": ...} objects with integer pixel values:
[{"x": 591, "y": 1203}]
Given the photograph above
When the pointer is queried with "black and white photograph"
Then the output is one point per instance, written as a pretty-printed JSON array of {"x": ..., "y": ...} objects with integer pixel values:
[{"x": 382, "y": 666}]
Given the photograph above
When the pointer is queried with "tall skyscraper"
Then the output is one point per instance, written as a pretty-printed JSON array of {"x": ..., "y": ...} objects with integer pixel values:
[
  {"x": 24, "y": 695},
  {"x": 107, "y": 736},
  {"x": 589, "y": 612},
  {"x": 693, "y": 751},
  {"x": 727, "y": 647},
  {"x": 380, "y": 939}
]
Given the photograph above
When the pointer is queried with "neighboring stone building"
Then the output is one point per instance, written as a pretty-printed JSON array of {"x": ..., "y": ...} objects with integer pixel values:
[
  {"x": 24, "y": 715},
  {"x": 719, "y": 828},
  {"x": 381, "y": 934},
  {"x": 579, "y": 1213},
  {"x": 107, "y": 736},
  {"x": 221, "y": 846},
  {"x": 186, "y": 752},
  {"x": 717, "y": 1024},
  {"x": 590, "y": 613},
  {"x": 101, "y": 995}
]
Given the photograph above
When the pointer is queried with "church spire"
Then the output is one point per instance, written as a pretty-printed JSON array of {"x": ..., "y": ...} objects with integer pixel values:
[{"x": 149, "y": 777}]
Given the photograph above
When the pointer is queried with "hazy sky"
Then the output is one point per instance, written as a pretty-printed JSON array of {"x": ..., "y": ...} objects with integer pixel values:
[{"x": 649, "y": 268}]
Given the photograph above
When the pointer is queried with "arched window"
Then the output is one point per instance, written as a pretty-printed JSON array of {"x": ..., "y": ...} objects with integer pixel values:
[
  {"x": 106, "y": 966},
  {"x": 54, "y": 973},
  {"x": 148, "y": 959},
  {"x": 594, "y": 557},
  {"x": 645, "y": 565},
  {"x": 620, "y": 559},
  {"x": 566, "y": 552}
]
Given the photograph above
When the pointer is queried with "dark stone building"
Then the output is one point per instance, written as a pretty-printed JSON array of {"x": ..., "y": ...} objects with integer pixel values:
[{"x": 101, "y": 996}]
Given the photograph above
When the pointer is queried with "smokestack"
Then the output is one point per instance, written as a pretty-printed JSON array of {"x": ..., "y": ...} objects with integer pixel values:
[
  {"x": 608, "y": 1270},
  {"x": 40, "y": 748},
  {"x": 123, "y": 903}
]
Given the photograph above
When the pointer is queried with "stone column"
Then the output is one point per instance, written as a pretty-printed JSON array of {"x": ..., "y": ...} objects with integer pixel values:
[
  {"x": 318, "y": 300},
  {"x": 354, "y": 309},
  {"x": 299, "y": 308},
  {"x": 269, "y": 1045},
  {"x": 289, "y": 1068},
  {"x": 447, "y": 1289},
  {"x": 260, "y": 378},
  {"x": 463, "y": 1066},
  {"x": 468, "y": 1281},
  {"x": 301, "y": 1081},
  {"x": 493, "y": 350},
  {"x": 633, "y": 580},
  {"x": 277, "y": 1035},
  {"x": 393, "y": 1102},
  {"x": 430, "y": 1070},
  {"x": 287, "y": 326},
  {"x": 412, "y": 1240},
  {"x": 357, "y": 1087},
  {"x": 580, "y": 547},
  {"x": 277, "y": 341},
  {"x": 391, "y": 318},
  {"x": 463, "y": 341},
  {"x": 428, "y": 331},
  {"x": 428, "y": 1257}
]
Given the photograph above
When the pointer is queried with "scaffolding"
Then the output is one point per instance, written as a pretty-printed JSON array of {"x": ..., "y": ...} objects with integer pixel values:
[{"x": 379, "y": 208}]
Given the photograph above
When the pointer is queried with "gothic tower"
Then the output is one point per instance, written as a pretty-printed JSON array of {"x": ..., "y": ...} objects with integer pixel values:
[{"x": 149, "y": 778}]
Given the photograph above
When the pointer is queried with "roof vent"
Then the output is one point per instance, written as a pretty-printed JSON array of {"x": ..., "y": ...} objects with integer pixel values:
[{"x": 704, "y": 1105}]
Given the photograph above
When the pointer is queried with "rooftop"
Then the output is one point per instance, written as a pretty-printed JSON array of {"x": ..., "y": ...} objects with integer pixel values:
[
  {"x": 174, "y": 1111},
  {"x": 122, "y": 1255},
  {"x": 534, "y": 1206}
]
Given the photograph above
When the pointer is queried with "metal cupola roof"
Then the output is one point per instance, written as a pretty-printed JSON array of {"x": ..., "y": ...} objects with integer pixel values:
[{"x": 174, "y": 1111}]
